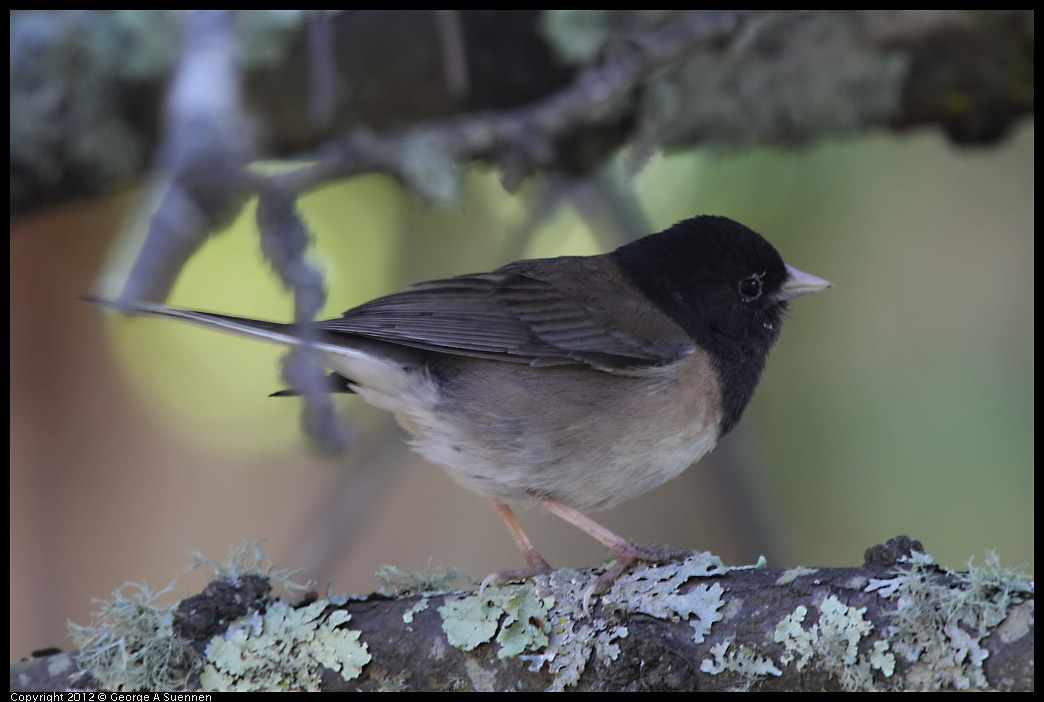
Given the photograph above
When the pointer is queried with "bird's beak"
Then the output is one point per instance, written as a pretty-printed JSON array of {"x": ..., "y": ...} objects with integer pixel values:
[{"x": 799, "y": 283}]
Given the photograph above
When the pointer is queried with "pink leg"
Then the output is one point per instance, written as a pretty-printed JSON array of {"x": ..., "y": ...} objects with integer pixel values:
[
  {"x": 626, "y": 551},
  {"x": 537, "y": 565}
]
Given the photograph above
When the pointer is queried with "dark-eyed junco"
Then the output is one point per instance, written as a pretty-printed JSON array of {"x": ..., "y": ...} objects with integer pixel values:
[{"x": 575, "y": 382}]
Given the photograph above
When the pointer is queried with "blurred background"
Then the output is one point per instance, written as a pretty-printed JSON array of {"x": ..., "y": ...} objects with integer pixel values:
[{"x": 898, "y": 402}]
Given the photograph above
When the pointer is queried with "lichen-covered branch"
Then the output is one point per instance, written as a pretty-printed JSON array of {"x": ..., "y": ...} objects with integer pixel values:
[
  {"x": 87, "y": 87},
  {"x": 897, "y": 623}
]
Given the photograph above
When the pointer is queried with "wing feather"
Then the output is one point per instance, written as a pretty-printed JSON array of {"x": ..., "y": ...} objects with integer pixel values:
[{"x": 527, "y": 312}]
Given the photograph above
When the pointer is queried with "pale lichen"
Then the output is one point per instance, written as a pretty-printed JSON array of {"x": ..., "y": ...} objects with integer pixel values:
[
  {"x": 396, "y": 582},
  {"x": 750, "y": 665},
  {"x": 284, "y": 649},
  {"x": 576, "y": 639},
  {"x": 792, "y": 574},
  {"x": 131, "y": 644},
  {"x": 420, "y": 606},
  {"x": 832, "y": 644},
  {"x": 655, "y": 590},
  {"x": 248, "y": 558},
  {"x": 515, "y": 611},
  {"x": 941, "y": 618}
]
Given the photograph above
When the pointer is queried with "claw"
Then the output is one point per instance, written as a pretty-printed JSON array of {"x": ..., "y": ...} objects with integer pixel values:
[
  {"x": 505, "y": 576},
  {"x": 625, "y": 558}
]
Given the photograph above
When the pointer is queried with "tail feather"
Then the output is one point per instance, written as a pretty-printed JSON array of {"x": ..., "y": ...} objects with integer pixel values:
[
  {"x": 381, "y": 367},
  {"x": 273, "y": 332},
  {"x": 335, "y": 384}
]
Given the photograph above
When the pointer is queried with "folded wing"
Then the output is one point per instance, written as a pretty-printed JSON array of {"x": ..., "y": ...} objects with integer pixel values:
[{"x": 527, "y": 312}]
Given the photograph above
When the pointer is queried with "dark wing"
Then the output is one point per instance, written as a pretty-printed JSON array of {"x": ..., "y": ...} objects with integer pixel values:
[{"x": 563, "y": 311}]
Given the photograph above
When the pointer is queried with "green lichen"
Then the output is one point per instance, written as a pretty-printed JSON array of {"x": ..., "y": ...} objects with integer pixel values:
[
  {"x": 284, "y": 649},
  {"x": 941, "y": 618},
  {"x": 515, "y": 611},
  {"x": 130, "y": 644}
]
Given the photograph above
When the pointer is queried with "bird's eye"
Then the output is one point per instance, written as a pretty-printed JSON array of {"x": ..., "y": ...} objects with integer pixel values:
[{"x": 750, "y": 288}]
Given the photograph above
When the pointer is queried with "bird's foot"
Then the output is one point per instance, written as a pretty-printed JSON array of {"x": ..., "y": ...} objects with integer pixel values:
[
  {"x": 506, "y": 576},
  {"x": 626, "y": 555}
]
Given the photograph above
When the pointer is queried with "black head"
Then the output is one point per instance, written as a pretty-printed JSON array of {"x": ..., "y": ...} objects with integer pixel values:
[{"x": 726, "y": 286}]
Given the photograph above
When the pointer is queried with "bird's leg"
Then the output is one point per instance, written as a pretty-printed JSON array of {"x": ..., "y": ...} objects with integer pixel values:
[
  {"x": 626, "y": 551},
  {"x": 537, "y": 565}
]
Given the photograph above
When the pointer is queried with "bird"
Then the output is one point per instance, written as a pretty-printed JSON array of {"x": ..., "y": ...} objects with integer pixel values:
[{"x": 576, "y": 383}]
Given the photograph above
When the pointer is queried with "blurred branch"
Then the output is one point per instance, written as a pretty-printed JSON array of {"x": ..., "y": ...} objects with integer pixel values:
[
  {"x": 896, "y": 623},
  {"x": 87, "y": 86},
  {"x": 427, "y": 158},
  {"x": 201, "y": 168}
]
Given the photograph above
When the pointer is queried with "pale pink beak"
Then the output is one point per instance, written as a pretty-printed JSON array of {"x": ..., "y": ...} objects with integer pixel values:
[{"x": 799, "y": 283}]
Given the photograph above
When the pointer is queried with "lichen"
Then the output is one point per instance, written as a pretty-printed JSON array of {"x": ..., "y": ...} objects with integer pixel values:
[
  {"x": 396, "y": 582},
  {"x": 746, "y": 662},
  {"x": 941, "y": 618},
  {"x": 284, "y": 649},
  {"x": 574, "y": 638},
  {"x": 833, "y": 642},
  {"x": 654, "y": 590},
  {"x": 515, "y": 611},
  {"x": 131, "y": 644},
  {"x": 420, "y": 606},
  {"x": 797, "y": 643},
  {"x": 248, "y": 558},
  {"x": 792, "y": 574}
]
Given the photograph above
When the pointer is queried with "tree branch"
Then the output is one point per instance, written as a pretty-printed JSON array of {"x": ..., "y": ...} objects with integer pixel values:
[
  {"x": 897, "y": 623},
  {"x": 87, "y": 86}
]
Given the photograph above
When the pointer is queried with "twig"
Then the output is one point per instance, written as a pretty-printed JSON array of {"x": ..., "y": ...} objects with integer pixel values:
[{"x": 525, "y": 132}]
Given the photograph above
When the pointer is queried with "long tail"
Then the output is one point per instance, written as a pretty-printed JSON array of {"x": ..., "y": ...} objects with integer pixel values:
[
  {"x": 378, "y": 365},
  {"x": 272, "y": 332}
]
